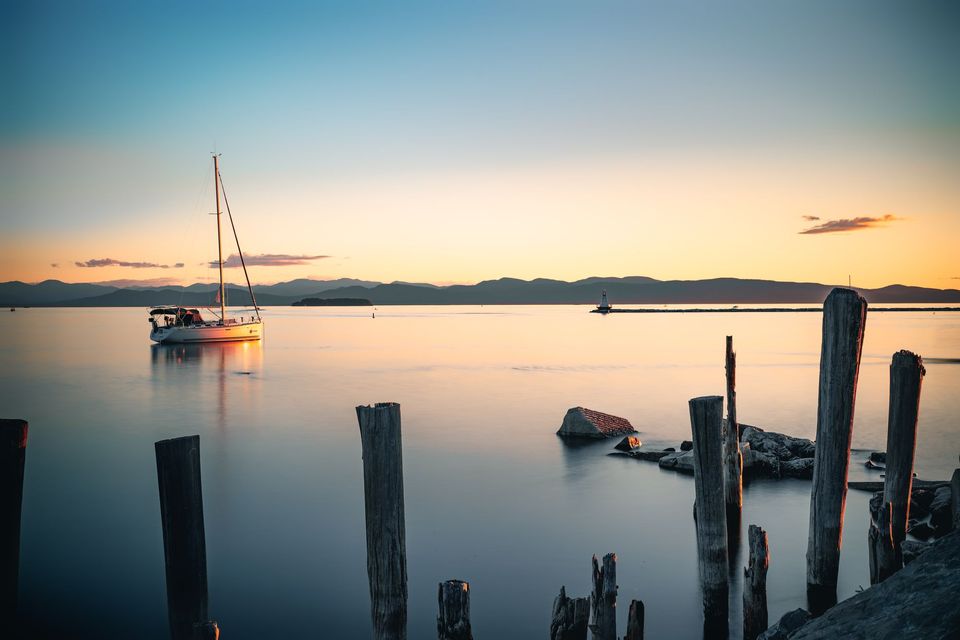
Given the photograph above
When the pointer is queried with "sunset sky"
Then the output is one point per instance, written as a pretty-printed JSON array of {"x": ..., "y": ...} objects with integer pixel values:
[{"x": 462, "y": 141}]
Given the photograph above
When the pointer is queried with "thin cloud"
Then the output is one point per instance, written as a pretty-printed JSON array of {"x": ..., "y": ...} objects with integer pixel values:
[
  {"x": 267, "y": 260},
  {"x": 110, "y": 262},
  {"x": 125, "y": 283},
  {"x": 849, "y": 224},
  {"x": 811, "y": 218}
]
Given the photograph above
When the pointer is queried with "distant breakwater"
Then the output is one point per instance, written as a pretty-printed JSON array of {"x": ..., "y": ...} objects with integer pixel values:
[{"x": 768, "y": 310}]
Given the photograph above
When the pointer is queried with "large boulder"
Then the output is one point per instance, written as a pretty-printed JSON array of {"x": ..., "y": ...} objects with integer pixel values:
[
  {"x": 782, "y": 446},
  {"x": 789, "y": 623},
  {"x": 587, "y": 423}
]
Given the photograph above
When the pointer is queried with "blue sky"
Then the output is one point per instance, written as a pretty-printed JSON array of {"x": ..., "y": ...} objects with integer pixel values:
[{"x": 113, "y": 107}]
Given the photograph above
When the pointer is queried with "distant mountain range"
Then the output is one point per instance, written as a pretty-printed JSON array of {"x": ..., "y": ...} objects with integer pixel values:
[{"x": 628, "y": 290}]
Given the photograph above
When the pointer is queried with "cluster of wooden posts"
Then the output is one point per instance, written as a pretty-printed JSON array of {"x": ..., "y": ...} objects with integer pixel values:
[{"x": 717, "y": 476}]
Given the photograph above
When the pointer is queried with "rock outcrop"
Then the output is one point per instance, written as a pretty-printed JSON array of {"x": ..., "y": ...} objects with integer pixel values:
[
  {"x": 789, "y": 623},
  {"x": 919, "y": 601},
  {"x": 587, "y": 423}
]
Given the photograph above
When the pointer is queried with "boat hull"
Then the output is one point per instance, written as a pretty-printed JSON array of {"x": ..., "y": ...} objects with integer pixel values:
[{"x": 230, "y": 332}]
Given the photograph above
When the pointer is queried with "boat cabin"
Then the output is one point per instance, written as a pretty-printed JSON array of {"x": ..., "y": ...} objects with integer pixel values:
[{"x": 174, "y": 317}]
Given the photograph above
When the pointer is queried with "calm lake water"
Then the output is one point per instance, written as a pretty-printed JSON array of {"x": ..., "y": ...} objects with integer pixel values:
[{"x": 492, "y": 495}]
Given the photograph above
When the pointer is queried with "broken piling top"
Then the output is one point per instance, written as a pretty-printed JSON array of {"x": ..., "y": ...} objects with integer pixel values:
[{"x": 587, "y": 423}]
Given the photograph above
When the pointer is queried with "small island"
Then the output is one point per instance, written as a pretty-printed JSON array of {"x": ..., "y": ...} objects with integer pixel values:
[{"x": 333, "y": 302}]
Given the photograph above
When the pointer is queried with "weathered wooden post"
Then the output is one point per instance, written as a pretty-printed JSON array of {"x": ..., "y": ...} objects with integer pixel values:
[
  {"x": 906, "y": 376},
  {"x": 13, "y": 454},
  {"x": 453, "y": 622},
  {"x": 884, "y": 554},
  {"x": 184, "y": 546},
  {"x": 635, "y": 621},
  {"x": 755, "y": 585},
  {"x": 208, "y": 630},
  {"x": 603, "y": 599},
  {"x": 706, "y": 416},
  {"x": 955, "y": 498},
  {"x": 732, "y": 458},
  {"x": 570, "y": 617},
  {"x": 386, "y": 533},
  {"x": 844, "y": 319}
]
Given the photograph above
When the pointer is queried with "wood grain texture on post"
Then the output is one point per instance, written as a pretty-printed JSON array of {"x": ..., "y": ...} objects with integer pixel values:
[
  {"x": 955, "y": 498},
  {"x": 706, "y": 416},
  {"x": 906, "y": 377},
  {"x": 603, "y": 599},
  {"x": 13, "y": 454},
  {"x": 453, "y": 621},
  {"x": 184, "y": 545},
  {"x": 570, "y": 619},
  {"x": 844, "y": 320},
  {"x": 882, "y": 551},
  {"x": 635, "y": 621},
  {"x": 755, "y": 585},
  {"x": 380, "y": 440},
  {"x": 732, "y": 458}
]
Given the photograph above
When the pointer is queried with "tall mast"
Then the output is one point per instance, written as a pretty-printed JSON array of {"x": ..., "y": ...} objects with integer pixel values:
[{"x": 216, "y": 188}]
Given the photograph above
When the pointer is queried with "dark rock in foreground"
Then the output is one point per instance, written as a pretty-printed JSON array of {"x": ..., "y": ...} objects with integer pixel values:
[
  {"x": 941, "y": 511},
  {"x": 911, "y": 550},
  {"x": 587, "y": 423},
  {"x": 686, "y": 445},
  {"x": 629, "y": 443},
  {"x": 790, "y": 622},
  {"x": 919, "y": 601}
]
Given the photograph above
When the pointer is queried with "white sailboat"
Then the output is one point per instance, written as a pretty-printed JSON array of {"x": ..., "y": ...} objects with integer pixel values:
[{"x": 173, "y": 324}]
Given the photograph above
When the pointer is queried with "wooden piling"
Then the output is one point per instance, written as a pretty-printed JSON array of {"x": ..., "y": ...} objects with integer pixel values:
[
  {"x": 386, "y": 535},
  {"x": 844, "y": 319},
  {"x": 906, "y": 377},
  {"x": 184, "y": 546},
  {"x": 955, "y": 498},
  {"x": 570, "y": 617},
  {"x": 13, "y": 454},
  {"x": 453, "y": 621},
  {"x": 732, "y": 458},
  {"x": 755, "y": 585},
  {"x": 603, "y": 599},
  {"x": 635, "y": 621},
  {"x": 883, "y": 556},
  {"x": 706, "y": 416}
]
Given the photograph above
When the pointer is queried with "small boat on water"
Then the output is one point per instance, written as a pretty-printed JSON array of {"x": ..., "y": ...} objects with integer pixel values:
[
  {"x": 604, "y": 306},
  {"x": 174, "y": 324}
]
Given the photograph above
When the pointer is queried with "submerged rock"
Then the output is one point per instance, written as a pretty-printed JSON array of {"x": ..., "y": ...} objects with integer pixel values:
[
  {"x": 653, "y": 455},
  {"x": 787, "y": 625},
  {"x": 628, "y": 444},
  {"x": 587, "y": 423},
  {"x": 681, "y": 461}
]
